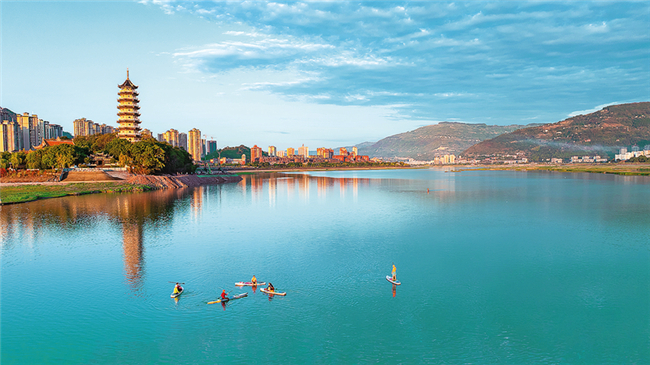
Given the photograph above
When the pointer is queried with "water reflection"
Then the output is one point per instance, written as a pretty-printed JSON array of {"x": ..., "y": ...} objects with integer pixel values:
[{"x": 24, "y": 223}]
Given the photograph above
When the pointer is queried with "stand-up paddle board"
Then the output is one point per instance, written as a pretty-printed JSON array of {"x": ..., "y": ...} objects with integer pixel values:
[
  {"x": 248, "y": 283},
  {"x": 264, "y": 290},
  {"x": 174, "y": 295},
  {"x": 229, "y": 299},
  {"x": 390, "y": 278}
]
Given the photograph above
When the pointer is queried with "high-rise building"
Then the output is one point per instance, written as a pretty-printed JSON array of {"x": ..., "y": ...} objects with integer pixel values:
[
  {"x": 182, "y": 141},
  {"x": 84, "y": 127},
  {"x": 272, "y": 151},
  {"x": 212, "y": 146},
  {"x": 9, "y": 136},
  {"x": 145, "y": 133},
  {"x": 172, "y": 137},
  {"x": 303, "y": 151},
  {"x": 343, "y": 151},
  {"x": 160, "y": 137},
  {"x": 129, "y": 115},
  {"x": 256, "y": 153},
  {"x": 281, "y": 153},
  {"x": 290, "y": 152},
  {"x": 194, "y": 144},
  {"x": 355, "y": 151},
  {"x": 324, "y": 152},
  {"x": 28, "y": 125}
]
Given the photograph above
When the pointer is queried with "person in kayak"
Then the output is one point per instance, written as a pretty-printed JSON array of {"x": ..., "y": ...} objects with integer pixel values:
[
  {"x": 270, "y": 288},
  {"x": 394, "y": 273},
  {"x": 254, "y": 280},
  {"x": 178, "y": 288},
  {"x": 223, "y": 294}
]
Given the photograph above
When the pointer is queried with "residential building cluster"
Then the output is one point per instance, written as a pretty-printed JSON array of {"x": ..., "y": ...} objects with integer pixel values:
[
  {"x": 586, "y": 159},
  {"x": 86, "y": 127},
  {"x": 24, "y": 132},
  {"x": 624, "y": 155},
  {"x": 290, "y": 155}
]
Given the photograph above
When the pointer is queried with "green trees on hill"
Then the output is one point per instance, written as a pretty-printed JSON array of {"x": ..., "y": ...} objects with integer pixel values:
[{"x": 147, "y": 156}]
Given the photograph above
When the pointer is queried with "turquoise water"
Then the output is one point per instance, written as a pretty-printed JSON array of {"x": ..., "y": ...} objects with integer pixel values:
[{"x": 496, "y": 267}]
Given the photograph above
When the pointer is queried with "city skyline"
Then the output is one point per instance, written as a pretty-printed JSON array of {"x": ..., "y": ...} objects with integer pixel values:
[{"x": 323, "y": 74}]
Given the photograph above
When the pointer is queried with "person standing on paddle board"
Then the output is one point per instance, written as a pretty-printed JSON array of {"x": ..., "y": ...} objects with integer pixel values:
[
  {"x": 223, "y": 295},
  {"x": 178, "y": 288},
  {"x": 270, "y": 288},
  {"x": 394, "y": 273},
  {"x": 254, "y": 280}
]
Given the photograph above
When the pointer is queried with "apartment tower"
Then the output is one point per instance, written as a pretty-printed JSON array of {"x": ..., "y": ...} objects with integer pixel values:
[{"x": 194, "y": 144}]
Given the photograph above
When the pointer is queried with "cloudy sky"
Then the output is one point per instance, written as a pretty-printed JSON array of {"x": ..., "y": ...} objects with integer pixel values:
[{"x": 323, "y": 73}]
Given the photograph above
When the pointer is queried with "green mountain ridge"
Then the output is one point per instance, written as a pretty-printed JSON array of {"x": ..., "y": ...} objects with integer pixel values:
[{"x": 600, "y": 133}]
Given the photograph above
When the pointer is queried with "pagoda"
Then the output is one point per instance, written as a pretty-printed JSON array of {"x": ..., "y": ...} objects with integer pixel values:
[{"x": 129, "y": 122}]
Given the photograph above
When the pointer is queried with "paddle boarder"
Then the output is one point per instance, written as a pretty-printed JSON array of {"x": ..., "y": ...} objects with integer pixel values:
[
  {"x": 394, "y": 273},
  {"x": 254, "y": 280},
  {"x": 178, "y": 288},
  {"x": 270, "y": 288}
]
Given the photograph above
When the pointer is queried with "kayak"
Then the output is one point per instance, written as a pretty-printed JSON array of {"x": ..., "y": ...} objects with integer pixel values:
[
  {"x": 390, "y": 278},
  {"x": 229, "y": 299},
  {"x": 248, "y": 283},
  {"x": 264, "y": 290},
  {"x": 174, "y": 295}
]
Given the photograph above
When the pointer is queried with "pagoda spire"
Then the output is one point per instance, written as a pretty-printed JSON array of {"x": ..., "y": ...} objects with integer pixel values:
[{"x": 127, "y": 73}]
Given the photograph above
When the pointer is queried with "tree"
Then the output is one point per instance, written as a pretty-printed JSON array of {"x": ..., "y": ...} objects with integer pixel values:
[
  {"x": 17, "y": 159},
  {"x": 118, "y": 147},
  {"x": 60, "y": 156},
  {"x": 148, "y": 157},
  {"x": 35, "y": 159}
]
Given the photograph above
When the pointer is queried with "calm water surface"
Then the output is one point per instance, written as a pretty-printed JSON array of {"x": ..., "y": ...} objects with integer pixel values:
[{"x": 497, "y": 267}]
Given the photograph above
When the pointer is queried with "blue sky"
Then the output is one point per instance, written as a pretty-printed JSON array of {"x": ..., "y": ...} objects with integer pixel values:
[{"x": 323, "y": 73}]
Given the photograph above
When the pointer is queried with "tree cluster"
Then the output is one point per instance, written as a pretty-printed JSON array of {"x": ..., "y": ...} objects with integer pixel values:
[
  {"x": 144, "y": 157},
  {"x": 56, "y": 157}
]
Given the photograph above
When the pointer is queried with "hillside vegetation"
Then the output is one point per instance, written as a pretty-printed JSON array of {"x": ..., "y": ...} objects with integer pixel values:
[
  {"x": 438, "y": 139},
  {"x": 600, "y": 133}
]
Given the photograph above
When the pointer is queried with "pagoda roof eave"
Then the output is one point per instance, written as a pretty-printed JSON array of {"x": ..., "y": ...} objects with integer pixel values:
[{"x": 127, "y": 83}]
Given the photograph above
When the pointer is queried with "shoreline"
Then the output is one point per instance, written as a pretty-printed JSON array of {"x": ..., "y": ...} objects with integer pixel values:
[
  {"x": 29, "y": 191},
  {"x": 612, "y": 169}
]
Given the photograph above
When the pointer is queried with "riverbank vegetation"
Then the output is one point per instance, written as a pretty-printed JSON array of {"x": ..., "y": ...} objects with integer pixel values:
[{"x": 30, "y": 192}]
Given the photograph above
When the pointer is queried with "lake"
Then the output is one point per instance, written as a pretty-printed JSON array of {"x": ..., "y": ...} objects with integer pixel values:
[{"x": 496, "y": 267}]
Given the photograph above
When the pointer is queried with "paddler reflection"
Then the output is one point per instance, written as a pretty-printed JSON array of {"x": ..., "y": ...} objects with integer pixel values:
[{"x": 394, "y": 290}]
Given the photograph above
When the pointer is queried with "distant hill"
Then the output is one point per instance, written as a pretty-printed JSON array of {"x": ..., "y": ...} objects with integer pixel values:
[
  {"x": 438, "y": 139},
  {"x": 600, "y": 133}
]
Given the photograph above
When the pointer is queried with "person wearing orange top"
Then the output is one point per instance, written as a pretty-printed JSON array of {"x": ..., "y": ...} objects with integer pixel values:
[
  {"x": 394, "y": 273},
  {"x": 254, "y": 280}
]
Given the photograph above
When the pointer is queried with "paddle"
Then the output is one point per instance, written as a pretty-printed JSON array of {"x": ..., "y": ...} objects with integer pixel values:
[{"x": 173, "y": 282}]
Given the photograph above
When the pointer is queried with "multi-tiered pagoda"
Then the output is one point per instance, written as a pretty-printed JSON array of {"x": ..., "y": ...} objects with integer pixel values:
[{"x": 129, "y": 115}]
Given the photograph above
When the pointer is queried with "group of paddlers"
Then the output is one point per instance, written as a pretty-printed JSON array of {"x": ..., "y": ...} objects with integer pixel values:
[{"x": 178, "y": 288}]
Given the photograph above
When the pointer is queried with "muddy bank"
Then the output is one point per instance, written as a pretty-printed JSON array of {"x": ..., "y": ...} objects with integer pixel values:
[{"x": 180, "y": 181}]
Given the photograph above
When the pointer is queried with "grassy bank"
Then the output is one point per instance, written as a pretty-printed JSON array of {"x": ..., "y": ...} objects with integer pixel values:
[
  {"x": 26, "y": 193},
  {"x": 616, "y": 169}
]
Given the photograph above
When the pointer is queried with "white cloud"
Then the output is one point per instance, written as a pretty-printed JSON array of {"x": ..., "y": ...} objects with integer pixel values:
[{"x": 592, "y": 110}]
